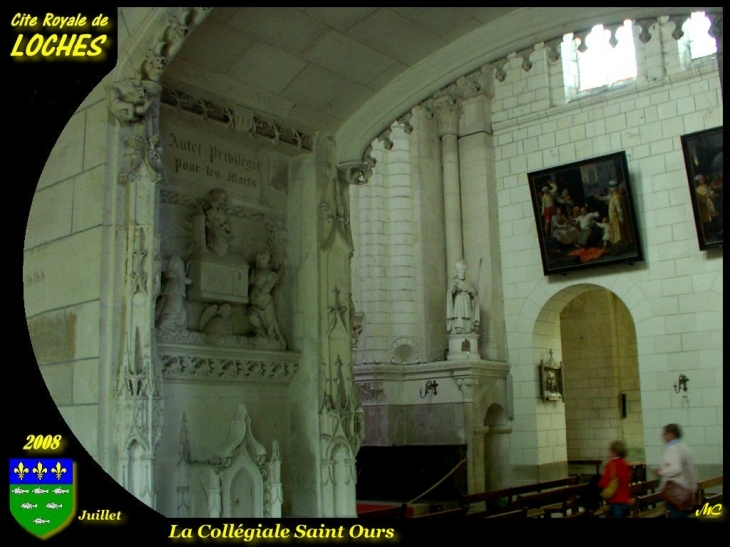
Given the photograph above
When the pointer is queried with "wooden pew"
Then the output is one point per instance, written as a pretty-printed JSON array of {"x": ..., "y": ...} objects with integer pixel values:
[
  {"x": 490, "y": 500},
  {"x": 643, "y": 488},
  {"x": 596, "y": 464},
  {"x": 556, "y": 501},
  {"x": 638, "y": 472},
  {"x": 637, "y": 489},
  {"x": 503, "y": 500},
  {"x": 704, "y": 496},
  {"x": 648, "y": 506}
]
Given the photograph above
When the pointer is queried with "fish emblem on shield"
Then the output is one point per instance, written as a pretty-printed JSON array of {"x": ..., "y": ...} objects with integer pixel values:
[{"x": 43, "y": 494}]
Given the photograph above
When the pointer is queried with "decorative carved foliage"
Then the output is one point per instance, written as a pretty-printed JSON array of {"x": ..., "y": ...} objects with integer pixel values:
[
  {"x": 137, "y": 259},
  {"x": 142, "y": 160},
  {"x": 273, "y": 492},
  {"x": 238, "y": 119},
  {"x": 338, "y": 314},
  {"x": 170, "y": 38},
  {"x": 207, "y": 110},
  {"x": 466, "y": 386},
  {"x": 223, "y": 369},
  {"x": 447, "y": 109},
  {"x": 356, "y": 323}
]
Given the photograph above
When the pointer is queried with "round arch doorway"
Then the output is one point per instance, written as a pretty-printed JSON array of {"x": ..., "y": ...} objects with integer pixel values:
[{"x": 601, "y": 376}]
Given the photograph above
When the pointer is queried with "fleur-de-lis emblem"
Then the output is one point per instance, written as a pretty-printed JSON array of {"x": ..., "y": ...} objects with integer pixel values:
[
  {"x": 21, "y": 471},
  {"x": 39, "y": 470},
  {"x": 58, "y": 470}
]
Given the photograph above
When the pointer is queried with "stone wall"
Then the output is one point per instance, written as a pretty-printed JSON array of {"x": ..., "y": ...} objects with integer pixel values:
[
  {"x": 64, "y": 303},
  {"x": 599, "y": 354},
  {"x": 674, "y": 296}
]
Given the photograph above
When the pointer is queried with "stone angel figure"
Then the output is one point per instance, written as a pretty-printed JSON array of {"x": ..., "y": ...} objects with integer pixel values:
[{"x": 171, "y": 312}]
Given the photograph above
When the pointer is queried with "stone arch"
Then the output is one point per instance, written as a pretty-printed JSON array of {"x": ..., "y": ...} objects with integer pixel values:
[
  {"x": 597, "y": 344},
  {"x": 496, "y": 448},
  {"x": 339, "y": 472}
]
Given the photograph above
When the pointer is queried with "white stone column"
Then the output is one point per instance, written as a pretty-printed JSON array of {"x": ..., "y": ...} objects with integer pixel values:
[
  {"x": 401, "y": 275},
  {"x": 448, "y": 110}
]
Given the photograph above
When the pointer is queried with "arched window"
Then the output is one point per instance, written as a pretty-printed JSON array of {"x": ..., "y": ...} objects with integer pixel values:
[
  {"x": 604, "y": 59},
  {"x": 696, "y": 41},
  {"x": 598, "y": 58}
]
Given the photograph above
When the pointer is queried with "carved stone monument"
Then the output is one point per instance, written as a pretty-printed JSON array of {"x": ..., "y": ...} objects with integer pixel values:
[
  {"x": 217, "y": 274},
  {"x": 462, "y": 316}
]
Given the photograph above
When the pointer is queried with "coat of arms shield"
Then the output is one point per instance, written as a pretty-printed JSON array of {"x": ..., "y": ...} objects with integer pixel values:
[{"x": 42, "y": 494}]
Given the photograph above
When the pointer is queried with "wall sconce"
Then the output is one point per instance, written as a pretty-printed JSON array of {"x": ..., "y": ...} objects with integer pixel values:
[
  {"x": 431, "y": 386},
  {"x": 681, "y": 384}
]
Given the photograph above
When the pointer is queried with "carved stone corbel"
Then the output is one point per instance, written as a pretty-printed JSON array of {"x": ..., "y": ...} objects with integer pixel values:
[
  {"x": 646, "y": 33},
  {"x": 405, "y": 120},
  {"x": 427, "y": 106},
  {"x": 384, "y": 137},
  {"x": 524, "y": 54},
  {"x": 466, "y": 386},
  {"x": 678, "y": 21},
  {"x": 612, "y": 29},
  {"x": 581, "y": 35},
  {"x": 553, "y": 48},
  {"x": 498, "y": 67},
  {"x": 715, "y": 30},
  {"x": 358, "y": 173}
]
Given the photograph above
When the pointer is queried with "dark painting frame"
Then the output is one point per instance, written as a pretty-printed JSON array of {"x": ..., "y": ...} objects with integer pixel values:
[
  {"x": 703, "y": 161},
  {"x": 584, "y": 214}
]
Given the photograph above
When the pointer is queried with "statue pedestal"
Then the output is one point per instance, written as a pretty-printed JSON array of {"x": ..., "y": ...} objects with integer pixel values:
[{"x": 463, "y": 347}]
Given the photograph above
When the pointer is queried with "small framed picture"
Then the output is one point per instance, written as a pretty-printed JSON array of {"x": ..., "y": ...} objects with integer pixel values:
[
  {"x": 584, "y": 214},
  {"x": 703, "y": 161},
  {"x": 551, "y": 379}
]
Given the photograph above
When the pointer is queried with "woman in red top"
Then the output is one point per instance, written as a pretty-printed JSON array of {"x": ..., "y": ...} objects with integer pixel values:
[{"x": 618, "y": 467}]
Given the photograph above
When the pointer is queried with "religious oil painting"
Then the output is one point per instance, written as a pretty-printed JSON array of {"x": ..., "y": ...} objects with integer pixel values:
[
  {"x": 584, "y": 213},
  {"x": 703, "y": 160}
]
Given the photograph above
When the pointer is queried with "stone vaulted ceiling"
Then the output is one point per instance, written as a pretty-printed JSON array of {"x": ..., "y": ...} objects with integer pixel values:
[{"x": 314, "y": 66}]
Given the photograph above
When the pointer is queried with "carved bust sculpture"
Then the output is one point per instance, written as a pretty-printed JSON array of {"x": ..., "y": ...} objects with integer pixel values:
[
  {"x": 462, "y": 304},
  {"x": 261, "y": 311},
  {"x": 217, "y": 230},
  {"x": 171, "y": 312}
]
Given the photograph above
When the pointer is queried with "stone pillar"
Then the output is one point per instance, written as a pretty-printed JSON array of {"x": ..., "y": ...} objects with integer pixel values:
[
  {"x": 448, "y": 109},
  {"x": 131, "y": 419}
]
